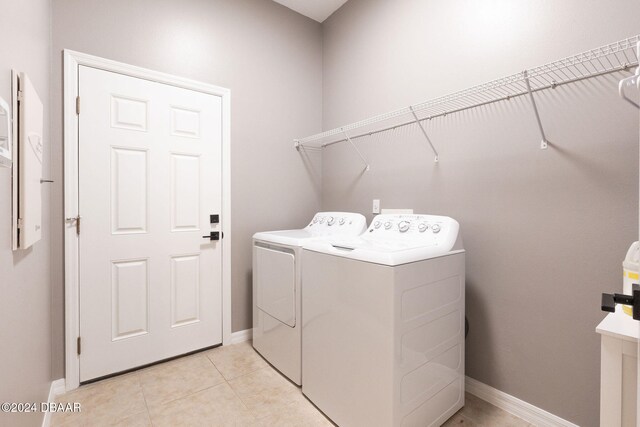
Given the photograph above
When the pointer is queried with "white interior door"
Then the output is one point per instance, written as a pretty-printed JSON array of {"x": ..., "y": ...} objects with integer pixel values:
[{"x": 149, "y": 179}]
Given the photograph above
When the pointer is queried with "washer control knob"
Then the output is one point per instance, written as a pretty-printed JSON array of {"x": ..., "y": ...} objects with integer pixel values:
[
  {"x": 342, "y": 221},
  {"x": 403, "y": 226},
  {"x": 422, "y": 227},
  {"x": 322, "y": 220},
  {"x": 377, "y": 224},
  {"x": 435, "y": 228},
  {"x": 387, "y": 225},
  {"x": 331, "y": 221},
  {"x": 315, "y": 219}
]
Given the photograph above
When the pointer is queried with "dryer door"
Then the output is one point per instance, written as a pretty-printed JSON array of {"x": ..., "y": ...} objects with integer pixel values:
[{"x": 276, "y": 284}]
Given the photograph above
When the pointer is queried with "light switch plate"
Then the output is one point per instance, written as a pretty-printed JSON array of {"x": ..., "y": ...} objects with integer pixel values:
[{"x": 376, "y": 206}]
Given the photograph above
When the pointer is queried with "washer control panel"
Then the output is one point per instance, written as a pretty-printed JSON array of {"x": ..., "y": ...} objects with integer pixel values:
[
  {"x": 337, "y": 223},
  {"x": 411, "y": 228}
]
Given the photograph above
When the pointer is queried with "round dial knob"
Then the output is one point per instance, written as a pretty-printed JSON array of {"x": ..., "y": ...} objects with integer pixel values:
[
  {"x": 322, "y": 220},
  {"x": 341, "y": 222},
  {"x": 315, "y": 219},
  {"x": 403, "y": 226},
  {"x": 387, "y": 225},
  {"x": 422, "y": 227},
  {"x": 331, "y": 220},
  {"x": 377, "y": 224},
  {"x": 435, "y": 228}
]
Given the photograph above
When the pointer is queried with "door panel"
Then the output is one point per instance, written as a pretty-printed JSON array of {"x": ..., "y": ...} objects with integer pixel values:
[
  {"x": 130, "y": 298},
  {"x": 185, "y": 289},
  {"x": 129, "y": 190},
  {"x": 276, "y": 284},
  {"x": 150, "y": 176}
]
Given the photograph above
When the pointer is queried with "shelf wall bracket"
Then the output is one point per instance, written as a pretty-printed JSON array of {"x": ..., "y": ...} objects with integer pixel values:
[
  {"x": 632, "y": 82},
  {"x": 424, "y": 132},
  {"x": 366, "y": 164},
  {"x": 544, "y": 143}
]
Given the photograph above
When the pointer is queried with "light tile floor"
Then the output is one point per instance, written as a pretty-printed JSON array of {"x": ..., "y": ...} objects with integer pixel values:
[{"x": 226, "y": 386}]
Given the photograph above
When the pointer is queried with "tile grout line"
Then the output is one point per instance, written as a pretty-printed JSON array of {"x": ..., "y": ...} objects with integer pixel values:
[
  {"x": 231, "y": 387},
  {"x": 146, "y": 404},
  {"x": 189, "y": 394}
]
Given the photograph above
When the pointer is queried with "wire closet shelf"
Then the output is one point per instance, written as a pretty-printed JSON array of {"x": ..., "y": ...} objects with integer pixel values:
[{"x": 614, "y": 57}]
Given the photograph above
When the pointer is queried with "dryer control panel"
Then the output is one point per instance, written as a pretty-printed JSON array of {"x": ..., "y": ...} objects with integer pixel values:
[{"x": 337, "y": 223}]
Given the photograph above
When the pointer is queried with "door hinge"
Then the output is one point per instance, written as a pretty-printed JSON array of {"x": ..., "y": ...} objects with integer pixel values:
[
  {"x": 20, "y": 96},
  {"x": 79, "y": 346},
  {"x": 76, "y": 219},
  {"x": 20, "y": 223},
  {"x": 78, "y": 105}
]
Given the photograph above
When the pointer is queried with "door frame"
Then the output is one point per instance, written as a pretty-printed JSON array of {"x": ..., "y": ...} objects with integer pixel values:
[{"x": 72, "y": 62}]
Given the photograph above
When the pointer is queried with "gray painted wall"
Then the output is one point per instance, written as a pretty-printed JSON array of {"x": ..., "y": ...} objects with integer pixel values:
[
  {"x": 25, "y": 330},
  {"x": 545, "y": 231},
  {"x": 271, "y": 59}
]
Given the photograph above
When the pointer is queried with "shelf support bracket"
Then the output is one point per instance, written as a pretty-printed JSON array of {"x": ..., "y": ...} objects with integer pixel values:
[
  {"x": 630, "y": 82},
  {"x": 545, "y": 142},
  {"x": 366, "y": 164},
  {"x": 424, "y": 132}
]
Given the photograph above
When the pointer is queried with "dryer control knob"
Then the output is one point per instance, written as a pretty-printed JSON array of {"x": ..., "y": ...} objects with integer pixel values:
[
  {"x": 315, "y": 219},
  {"x": 322, "y": 220},
  {"x": 377, "y": 224},
  {"x": 387, "y": 225},
  {"x": 403, "y": 226},
  {"x": 331, "y": 221},
  {"x": 435, "y": 228},
  {"x": 422, "y": 227},
  {"x": 341, "y": 222}
]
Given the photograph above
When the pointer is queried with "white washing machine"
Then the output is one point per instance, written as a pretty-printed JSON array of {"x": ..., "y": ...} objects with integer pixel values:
[
  {"x": 277, "y": 270},
  {"x": 383, "y": 323}
]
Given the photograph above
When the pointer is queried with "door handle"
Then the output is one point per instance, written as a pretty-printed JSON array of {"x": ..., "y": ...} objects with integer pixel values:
[
  {"x": 609, "y": 301},
  {"x": 214, "y": 235}
]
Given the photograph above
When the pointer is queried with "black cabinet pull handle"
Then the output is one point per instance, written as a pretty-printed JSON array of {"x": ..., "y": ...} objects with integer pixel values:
[{"x": 609, "y": 301}]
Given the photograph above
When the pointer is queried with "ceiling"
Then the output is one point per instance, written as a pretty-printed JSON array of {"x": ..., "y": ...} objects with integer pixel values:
[{"x": 314, "y": 9}]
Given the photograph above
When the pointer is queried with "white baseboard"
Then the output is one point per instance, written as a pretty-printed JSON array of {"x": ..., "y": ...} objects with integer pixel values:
[
  {"x": 241, "y": 336},
  {"x": 519, "y": 408},
  {"x": 56, "y": 389}
]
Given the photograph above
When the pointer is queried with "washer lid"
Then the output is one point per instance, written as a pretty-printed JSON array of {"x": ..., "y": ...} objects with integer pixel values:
[
  {"x": 285, "y": 237},
  {"x": 323, "y": 225},
  {"x": 396, "y": 239}
]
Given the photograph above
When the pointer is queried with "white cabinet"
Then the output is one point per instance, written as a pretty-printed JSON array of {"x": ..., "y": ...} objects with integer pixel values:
[
  {"x": 30, "y": 156},
  {"x": 618, "y": 369},
  {"x": 27, "y": 162}
]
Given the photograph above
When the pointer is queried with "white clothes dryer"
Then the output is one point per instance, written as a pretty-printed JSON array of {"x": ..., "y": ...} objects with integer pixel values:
[
  {"x": 277, "y": 267},
  {"x": 383, "y": 323}
]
